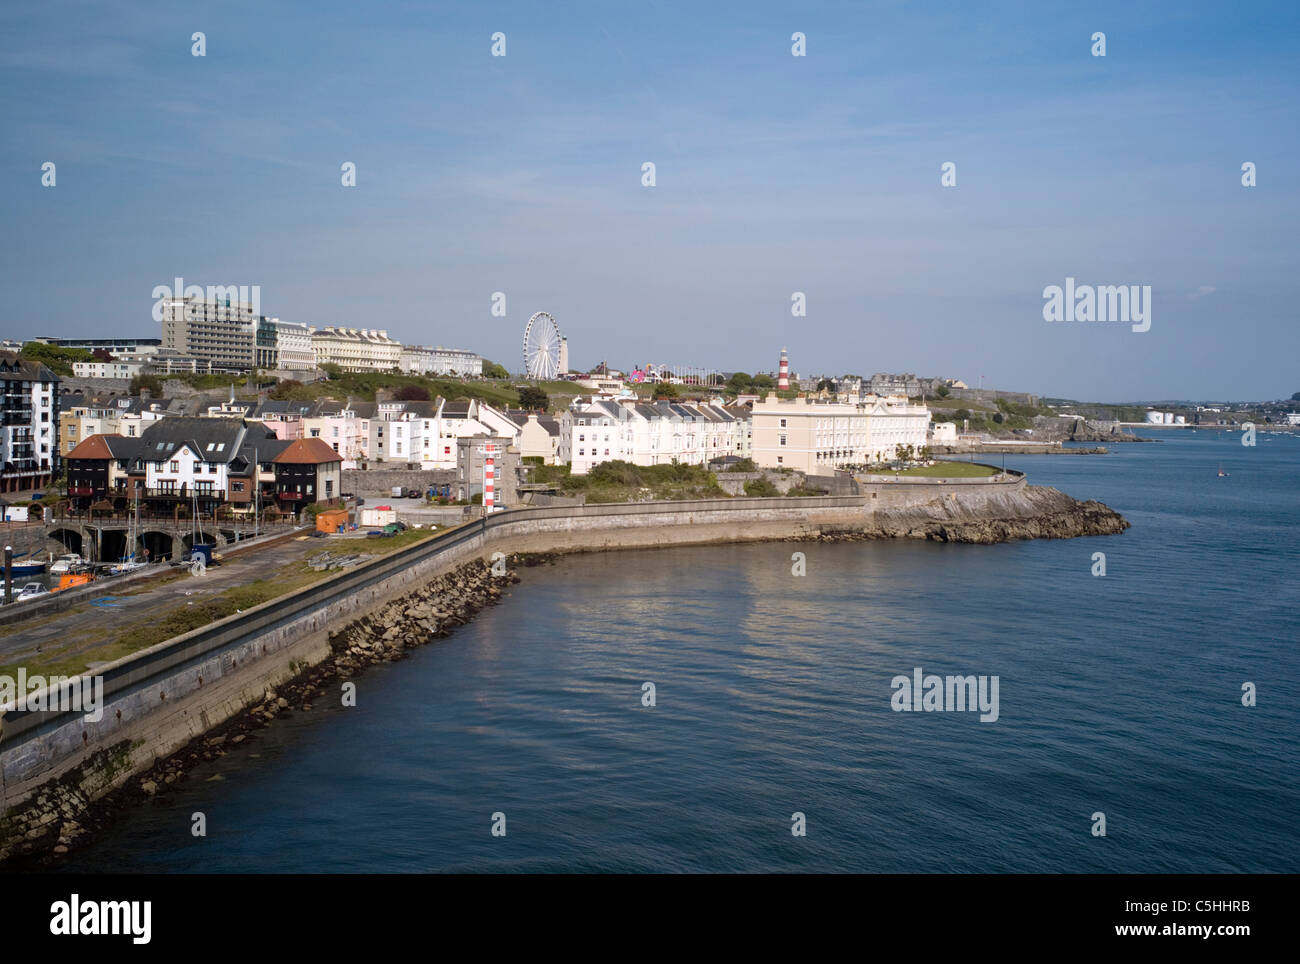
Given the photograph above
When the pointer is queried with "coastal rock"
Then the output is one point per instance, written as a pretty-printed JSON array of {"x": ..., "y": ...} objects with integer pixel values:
[{"x": 1034, "y": 512}]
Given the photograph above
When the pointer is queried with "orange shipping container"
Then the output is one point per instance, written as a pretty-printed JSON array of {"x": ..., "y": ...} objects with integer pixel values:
[{"x": 331, "y": 519}]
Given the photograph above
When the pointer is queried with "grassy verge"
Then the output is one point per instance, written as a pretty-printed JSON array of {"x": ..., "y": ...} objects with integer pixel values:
[
  {"x": 623, "y": 482},
  {"x": 948, "y": 470}
]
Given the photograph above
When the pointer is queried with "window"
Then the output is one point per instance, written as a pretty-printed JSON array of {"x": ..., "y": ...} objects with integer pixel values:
[
  {"x": 176, "y": 465},
  {"x": 782, "y": 423},
  {"x": 198, "y": 467},
  {"x": 780, "y": 459},
  {"x": 782, "y": 439},
  {"x": 237, "y": 486}
]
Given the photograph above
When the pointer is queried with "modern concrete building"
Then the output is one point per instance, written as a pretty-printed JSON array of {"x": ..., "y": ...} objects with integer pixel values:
[
  {"x": 29, "y": 424},
  {"x": 123, "y": 349},
  {"x": 220, "y": 332},
  {"x": 818, "y": 437}
]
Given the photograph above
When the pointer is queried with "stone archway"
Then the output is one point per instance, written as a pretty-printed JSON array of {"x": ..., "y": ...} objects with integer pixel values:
[
  {"x": 70, "y": 539},
  {"x": 160, "y": 544},
  {"x": 206, "y": 536},
  {"x": 113, "y": 545}
]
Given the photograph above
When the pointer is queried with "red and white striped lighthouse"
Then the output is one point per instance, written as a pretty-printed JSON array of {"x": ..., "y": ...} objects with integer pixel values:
[
  {"x": 489, "y": 452},
  {"x": 783, "y": 373}
]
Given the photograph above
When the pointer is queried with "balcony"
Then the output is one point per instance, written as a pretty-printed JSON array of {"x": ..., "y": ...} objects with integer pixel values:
[
  {"x": 81, "y": 490},
  {"x": 291, "y": 496}
]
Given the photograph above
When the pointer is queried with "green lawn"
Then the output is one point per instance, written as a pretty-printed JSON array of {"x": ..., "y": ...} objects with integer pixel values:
[{"x": 949, "y": 470}]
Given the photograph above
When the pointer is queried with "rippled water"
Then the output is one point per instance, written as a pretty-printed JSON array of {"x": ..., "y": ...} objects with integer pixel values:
[{"x": 1119, "y": 694}]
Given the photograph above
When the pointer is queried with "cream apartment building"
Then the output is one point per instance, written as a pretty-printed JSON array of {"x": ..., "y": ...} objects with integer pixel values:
[
  {"x": 816, "y": 437},
  {"x": 356, "y": 349}
]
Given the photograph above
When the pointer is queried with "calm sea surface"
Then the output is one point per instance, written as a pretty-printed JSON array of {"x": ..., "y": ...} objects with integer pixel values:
[{"x": 1119, "y": 694}]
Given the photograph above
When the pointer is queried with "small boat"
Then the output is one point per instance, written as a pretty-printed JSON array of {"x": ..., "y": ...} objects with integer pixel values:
[
  {"x": 126, "y": 565},
  {"x": 1222, "y": 474},
  {"x": 33, "y": 590},
  {"x": 28, "y": 568},
  {"x": 75, "y": 578},
  {"x": 66, "y": 563}
]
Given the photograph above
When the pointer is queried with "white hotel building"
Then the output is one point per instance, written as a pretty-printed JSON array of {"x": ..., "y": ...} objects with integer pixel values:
[
  {"x": 422, "y": 360},
  {"x": 293, "y": 346},
  {"x": 816, "y": 437},
  {"x": 661, "y": 433}
]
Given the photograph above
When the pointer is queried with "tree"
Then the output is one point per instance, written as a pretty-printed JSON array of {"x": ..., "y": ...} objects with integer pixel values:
[
  {"x": 283, "y": 391},
  {"x": 1296, "y": 397},
  {"x": 666, "y": 390},
  {"x": 492, "y": 370},
  {"x": 740, "y": 382},
  {"x": 532, "y": 397},
  {"x": 331, "y": 370},
  {"x": 54, "y": 357},
  {"x": 943, "y": 391},
  {"x": 150, "y": 382},
  {"x": 826, "y": 385},
  {"x": 411, "y": 393},
  {"x": 764, "y": 381}
]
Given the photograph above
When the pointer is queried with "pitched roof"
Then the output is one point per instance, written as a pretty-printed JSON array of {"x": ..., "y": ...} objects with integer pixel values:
[
  {"x": 307, "y": 451},
  {"x": 16, "y": 368},
  {"x": 92, "y": 447},
  {"x": 213, "y": 439}
]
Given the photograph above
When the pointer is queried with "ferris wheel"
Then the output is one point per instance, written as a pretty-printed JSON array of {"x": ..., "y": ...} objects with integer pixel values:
[{"x": 542, "y": 346}]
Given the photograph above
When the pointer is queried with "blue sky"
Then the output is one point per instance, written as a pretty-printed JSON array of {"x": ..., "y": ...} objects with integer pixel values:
[{"x": 775, "y": 174}]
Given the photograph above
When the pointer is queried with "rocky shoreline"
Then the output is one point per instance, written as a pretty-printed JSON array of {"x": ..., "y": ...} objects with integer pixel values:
[
  {"x": 65, "y": 814},
  {"x": 1035, "y": 512}
]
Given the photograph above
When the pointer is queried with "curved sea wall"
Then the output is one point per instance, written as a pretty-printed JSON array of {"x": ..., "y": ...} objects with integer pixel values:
[{"x": 165, "y": 708}]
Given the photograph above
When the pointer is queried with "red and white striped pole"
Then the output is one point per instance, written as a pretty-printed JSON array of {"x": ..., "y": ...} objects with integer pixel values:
[{"x": 489, "y": 478}]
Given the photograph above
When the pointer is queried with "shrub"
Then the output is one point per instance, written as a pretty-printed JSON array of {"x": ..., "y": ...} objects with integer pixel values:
[{"x": 761, "y": 487}]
